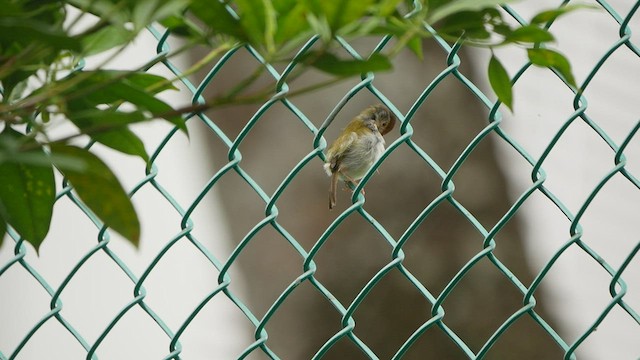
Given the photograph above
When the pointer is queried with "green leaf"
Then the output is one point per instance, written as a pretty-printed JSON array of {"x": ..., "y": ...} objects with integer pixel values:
[
  {"x": 150, "y": 82},
  {"x": 552, "y": 59},
  {"x": 99, "y": 79},
  {"x": 550, "y": 15},
  {"x": 456, "y": 6},
  {"x": 101, "y": 191},
  {"x": 11, "y": 8},
  {"x": 112, "y": 12},
  {"x": 146, "y": 12},
  {"x": 258, "y": 19},
  {"x": 146, "y": 101},
  {"x": 331, "y": 64},
  {"x": 109, "y": 127},
  {"x": 529, "y": 34},
  {"x": 469, "y": 23},
  {"x": 291, "y": 21},
  {"x": 112, "y": 87},
  {"x": 339, "y": 13},
  {"x": 97, "y": 120},
  {"x": 415, "y": 45},
  {"x": 215, "y": 15},
  {"x": 30, "y": 31},
  {"x": 500, "y": 82},
  {"x": 105, "y": 39},
  {"x": 16, "y": 91},
  {"x": 27, "y": 193},
  {"x": 123, "y": 140},
  {"x": 394, "y": 26},
  {"x": 368, "y": 26},
  {"x": 387, "y": 7},
  {"x": 10, "y": 151},
  {"x": 179, "y": 26},
  {"x": 321, "y": 27},
  {"x": 502, "y": 29}
]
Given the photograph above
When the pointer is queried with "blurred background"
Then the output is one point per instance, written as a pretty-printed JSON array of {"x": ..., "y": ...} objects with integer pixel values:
[{"x": 570, "y": 298}]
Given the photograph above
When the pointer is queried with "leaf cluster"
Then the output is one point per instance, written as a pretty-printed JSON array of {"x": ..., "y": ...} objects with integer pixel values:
[
  {"x": 43, "y": 82},
  {"x": 41, "y": 49},
  {"x": 276, "y": 27}
]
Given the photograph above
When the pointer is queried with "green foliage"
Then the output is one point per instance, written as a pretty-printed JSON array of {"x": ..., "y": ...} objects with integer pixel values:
[
  {"x": 552, "y": 59},
  {"x": 331, "y": 64},
  {"x": 42, "y": 80},
  {"x": 94, "y": 183},
  {"x": 529, "y": 34},
  {"x": 39, "y": 52},
  {"x": 105, "y": 39},
  {"x": 500, "y": 81},
  {"x": 27, "y": 190},
  {"x": 445, "y": 9},
  {"x": 548, "y": 16}
]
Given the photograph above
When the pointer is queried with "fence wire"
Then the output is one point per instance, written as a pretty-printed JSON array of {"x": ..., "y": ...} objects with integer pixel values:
[{"x": 618, "y": 287}]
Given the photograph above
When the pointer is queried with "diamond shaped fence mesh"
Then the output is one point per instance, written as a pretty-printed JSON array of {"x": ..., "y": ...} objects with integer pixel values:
[{"x": 271, "y": 194}]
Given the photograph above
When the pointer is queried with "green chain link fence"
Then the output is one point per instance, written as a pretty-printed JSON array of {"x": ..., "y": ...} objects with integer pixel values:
[{"x": 618, "y": 287}]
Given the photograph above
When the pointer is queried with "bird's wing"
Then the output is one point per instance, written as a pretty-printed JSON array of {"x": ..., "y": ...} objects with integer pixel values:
[{"x": 339, "y": 148}]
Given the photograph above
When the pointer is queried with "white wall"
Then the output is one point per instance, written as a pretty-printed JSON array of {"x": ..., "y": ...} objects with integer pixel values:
[
  {"x": 578, "y": 286},
  {"x": 100, "y": 290}
]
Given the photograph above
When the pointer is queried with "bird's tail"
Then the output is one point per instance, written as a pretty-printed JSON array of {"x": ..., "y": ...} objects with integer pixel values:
[{"x": 333, "y": 190}]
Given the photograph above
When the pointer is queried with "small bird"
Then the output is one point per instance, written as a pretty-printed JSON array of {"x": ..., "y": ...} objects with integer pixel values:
[{"x": 358, "y": 147}]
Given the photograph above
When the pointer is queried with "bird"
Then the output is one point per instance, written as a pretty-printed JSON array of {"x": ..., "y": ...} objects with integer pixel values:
[{"x": 358, "y": 147}]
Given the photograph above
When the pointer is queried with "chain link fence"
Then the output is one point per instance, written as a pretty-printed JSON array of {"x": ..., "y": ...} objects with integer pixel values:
[{"x": 620, "y": 168}]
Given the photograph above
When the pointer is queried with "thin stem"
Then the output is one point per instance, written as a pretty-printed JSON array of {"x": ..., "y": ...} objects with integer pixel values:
[
  {"x": 214, "y": 103},
  {"x": 195, "y": 67}
]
